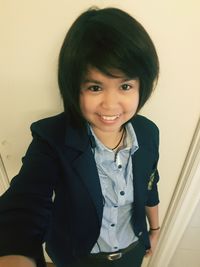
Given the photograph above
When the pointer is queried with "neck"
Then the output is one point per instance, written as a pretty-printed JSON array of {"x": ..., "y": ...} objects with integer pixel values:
[
  {"x": 111, "y": 140},
  {"x": 121, "y": 140}
]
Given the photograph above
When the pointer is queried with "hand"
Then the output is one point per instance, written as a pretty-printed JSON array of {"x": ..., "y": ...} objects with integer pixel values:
[
  {"x": 153, "y": 236},
  {"x": 16, "y": 261}
]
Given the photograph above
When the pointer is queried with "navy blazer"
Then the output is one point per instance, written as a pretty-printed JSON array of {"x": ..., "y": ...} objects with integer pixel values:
[{"x": 56, "y": 198}]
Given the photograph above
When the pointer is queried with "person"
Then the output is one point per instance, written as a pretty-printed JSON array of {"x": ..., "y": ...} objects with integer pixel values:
[{"x": 89, "y": 177}]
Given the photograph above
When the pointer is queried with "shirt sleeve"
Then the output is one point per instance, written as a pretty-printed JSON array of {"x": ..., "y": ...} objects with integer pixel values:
[{"x": 25, "y": 208}]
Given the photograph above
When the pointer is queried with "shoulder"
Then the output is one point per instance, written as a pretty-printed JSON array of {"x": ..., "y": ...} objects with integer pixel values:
[
  {"x": 51, "y": 128},
  {"x": 145, "y": 129},
  {"x": 142, "y": 123}
]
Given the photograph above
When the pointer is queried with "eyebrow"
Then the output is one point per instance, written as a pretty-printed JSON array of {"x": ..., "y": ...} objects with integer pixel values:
[
  {"x": 91, "y": 81},
  {"x": 100, "y": 83}
]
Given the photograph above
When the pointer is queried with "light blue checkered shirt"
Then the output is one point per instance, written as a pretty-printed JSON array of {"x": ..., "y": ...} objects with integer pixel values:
[{"x": 116, "y": 178}]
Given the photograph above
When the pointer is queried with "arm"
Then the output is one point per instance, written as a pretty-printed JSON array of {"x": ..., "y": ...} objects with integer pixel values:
[
  {"x": 152, "y": 215},
  {"x": 16, "y": 261},
  {"x": 25, "y": 208},
  {"x": 153, "y": 219},
  {"x": 152, "y": 203}
]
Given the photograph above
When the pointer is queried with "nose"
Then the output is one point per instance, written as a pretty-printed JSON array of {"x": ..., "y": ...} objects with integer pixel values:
[{"x": 110, "y": 100}]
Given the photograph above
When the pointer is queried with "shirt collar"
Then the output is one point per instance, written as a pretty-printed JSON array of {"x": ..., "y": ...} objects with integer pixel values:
[{"x": 131, "y": 141}]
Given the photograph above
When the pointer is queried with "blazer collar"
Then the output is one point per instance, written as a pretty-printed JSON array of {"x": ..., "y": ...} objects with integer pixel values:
[{"x": 76, "y": 138}]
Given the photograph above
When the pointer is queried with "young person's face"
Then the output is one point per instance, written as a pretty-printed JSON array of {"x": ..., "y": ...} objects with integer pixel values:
[{"x": 108, "y": 102}]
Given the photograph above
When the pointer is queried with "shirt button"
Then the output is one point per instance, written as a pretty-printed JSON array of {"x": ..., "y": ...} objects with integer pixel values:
[
  {"x": 115, "y": 206},
  {"x": 112, "y": 225},
  {"x": 122, "y": 193},
  {"x": 119, "y": 166},
  {"x": 115, "y": 247}
]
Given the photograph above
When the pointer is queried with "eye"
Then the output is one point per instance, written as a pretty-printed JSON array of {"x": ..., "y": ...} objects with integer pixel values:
[
  {"x": 94, "y": 88},
  {"x": 126, "y": 87}
]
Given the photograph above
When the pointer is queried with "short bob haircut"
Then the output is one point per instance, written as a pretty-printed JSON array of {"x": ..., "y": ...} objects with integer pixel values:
[{"x": 107, "y": 39}]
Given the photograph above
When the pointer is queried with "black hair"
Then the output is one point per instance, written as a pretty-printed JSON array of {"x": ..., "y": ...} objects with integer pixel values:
[{"x": 107, "y": 39}]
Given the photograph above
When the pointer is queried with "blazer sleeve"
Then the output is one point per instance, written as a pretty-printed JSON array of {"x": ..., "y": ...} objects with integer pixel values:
[
  {"x": 153, "y": 196},
  {"x": 152, "y": 188},
  {"x": 25, "y": 208}
]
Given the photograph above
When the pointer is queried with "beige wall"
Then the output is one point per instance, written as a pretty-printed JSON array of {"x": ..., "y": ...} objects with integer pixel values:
[{"x": 31, "y": 36}]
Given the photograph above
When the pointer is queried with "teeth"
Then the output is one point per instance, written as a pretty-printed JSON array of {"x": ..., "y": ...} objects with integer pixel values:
[{"x": 110, "y": 118}]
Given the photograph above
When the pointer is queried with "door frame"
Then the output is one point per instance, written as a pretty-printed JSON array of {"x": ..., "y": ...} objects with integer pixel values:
[
  {"x": 184, "y": 201},
  {"x": 4, "y": 181}
]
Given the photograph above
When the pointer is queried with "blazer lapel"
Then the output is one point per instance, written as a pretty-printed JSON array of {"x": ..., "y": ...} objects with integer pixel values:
[{"x": 85, "y": 166}]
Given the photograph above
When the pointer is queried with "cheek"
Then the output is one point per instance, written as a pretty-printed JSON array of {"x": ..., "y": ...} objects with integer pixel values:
[
  {"x": 86, "y": 104},
  {"x": 132, "y": 104},
  {"x": 82, "y": 104}
]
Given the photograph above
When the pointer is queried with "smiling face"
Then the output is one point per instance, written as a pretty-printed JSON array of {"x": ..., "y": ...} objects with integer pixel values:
[{"x": 108, "y": 102}]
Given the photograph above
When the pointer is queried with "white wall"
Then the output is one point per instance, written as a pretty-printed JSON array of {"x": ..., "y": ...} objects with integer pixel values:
[{"x": 31, "y": 35}]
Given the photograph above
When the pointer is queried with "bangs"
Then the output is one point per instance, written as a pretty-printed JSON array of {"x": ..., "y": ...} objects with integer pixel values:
[{"x": 113, "y": 66}]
